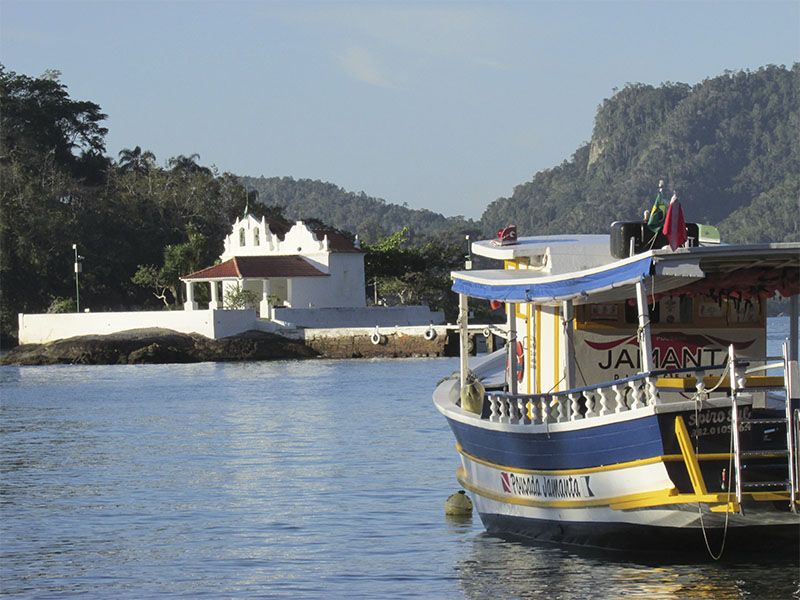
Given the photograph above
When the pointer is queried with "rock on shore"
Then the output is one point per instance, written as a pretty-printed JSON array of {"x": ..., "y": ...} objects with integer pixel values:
[{"x": 156, "y": 346}]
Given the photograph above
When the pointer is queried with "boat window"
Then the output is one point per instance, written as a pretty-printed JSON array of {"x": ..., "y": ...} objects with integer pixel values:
[
  {"x": 242, "y": 240},
  {"x": 632, "y": 313},
  {"x": 668, "y": 310}
]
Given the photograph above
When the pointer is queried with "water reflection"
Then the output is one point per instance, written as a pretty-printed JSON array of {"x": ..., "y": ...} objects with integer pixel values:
[{"x": 493, "y": 567}]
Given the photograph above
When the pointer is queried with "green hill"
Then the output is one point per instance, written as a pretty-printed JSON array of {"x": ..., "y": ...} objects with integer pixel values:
[
  {"x": 728, "y": 145},
  {"x": 371, "y": 218}
]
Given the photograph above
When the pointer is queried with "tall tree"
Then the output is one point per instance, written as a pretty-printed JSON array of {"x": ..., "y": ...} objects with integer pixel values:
[
  {"x": 136, "y": 160},
  {"x": 40, "y": 122}
]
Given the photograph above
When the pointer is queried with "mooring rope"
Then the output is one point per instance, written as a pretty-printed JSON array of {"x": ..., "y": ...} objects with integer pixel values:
[{"x": 698, "y": 398}]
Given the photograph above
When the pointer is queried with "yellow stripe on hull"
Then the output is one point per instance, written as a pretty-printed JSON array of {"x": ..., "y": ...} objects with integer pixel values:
[{"x": 587, "y": 470}]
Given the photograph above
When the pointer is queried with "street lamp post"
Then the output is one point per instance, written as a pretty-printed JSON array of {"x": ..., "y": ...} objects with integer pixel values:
[
  {"x": 78, "y": 269},
  {"x": 468, "y": 256}
]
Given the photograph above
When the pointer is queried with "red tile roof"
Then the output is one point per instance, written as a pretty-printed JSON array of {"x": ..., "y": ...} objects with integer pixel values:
[{"x": 258, "y": 267}]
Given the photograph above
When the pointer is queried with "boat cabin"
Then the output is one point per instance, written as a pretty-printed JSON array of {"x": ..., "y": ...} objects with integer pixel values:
[
  {"x": 577, "y": 316},
  {"x": 635, "y": 396}
]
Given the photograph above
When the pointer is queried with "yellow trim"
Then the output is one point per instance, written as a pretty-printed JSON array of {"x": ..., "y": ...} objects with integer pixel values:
[
  {"x": 721, "y": 501},
  {"x": 556, "y": 349},
  {"x": 689, "y": 457},
  {"x": 529, "y": 357},
  {"x": 582, "y": 471},
  {"x": 751, "y": 381},
  {"x": 669, "y": 496},
  {"x": 683, "y": 384},
  {"x": 538, "y": 324},
  {"x": 461, "y": 476}
]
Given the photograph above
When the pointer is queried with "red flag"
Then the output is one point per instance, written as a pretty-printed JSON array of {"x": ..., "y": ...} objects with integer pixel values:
[{"x": 674, "y": 225}]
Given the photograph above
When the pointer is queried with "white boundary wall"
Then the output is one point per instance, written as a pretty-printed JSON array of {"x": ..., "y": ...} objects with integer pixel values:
[
  {"x": 383, "y": 316},
  {"x": 43, "y": 328},
  {"x": 215, "y": 324}
]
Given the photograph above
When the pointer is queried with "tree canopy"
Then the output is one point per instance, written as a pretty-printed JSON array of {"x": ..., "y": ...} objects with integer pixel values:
[
  {"x": 721, "y": 144},
  {"x": 728, "y": 145},
  {"x": 58, "y": 190}
]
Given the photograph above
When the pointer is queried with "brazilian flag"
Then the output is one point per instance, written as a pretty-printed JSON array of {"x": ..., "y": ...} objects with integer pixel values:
[{"x": 657, "y": 213}]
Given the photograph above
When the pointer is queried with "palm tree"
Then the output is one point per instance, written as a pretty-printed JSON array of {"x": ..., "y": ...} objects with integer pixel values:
[
  {"x": 136, "y": 160},
  {"x": 187, "y": 164}
]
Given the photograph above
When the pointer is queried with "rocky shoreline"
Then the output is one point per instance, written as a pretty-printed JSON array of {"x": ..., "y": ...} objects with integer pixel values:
[{"x": 158, "y": 346}]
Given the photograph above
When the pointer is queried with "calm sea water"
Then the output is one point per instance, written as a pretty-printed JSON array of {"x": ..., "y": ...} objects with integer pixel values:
[{"x": 316, "y": 479}]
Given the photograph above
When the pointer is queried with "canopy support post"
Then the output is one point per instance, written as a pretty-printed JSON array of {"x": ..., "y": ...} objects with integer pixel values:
[
  {"x": 463, "y": 333},
  {"x": 568, "y": 313},
  {"x": 794, "y": 315},
  {"x": 512, "y": 347},
  {"x": 645, "y": 337}
]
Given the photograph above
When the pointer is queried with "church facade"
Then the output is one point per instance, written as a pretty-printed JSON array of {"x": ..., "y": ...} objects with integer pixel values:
[{"x": 302, "y": 267}]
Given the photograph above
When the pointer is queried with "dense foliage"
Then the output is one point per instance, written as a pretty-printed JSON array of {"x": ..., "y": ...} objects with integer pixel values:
[
  {"x": 721, "y": 144},
  {"x": 399, "y": 273},
  {"x": 729, "y": 145},
  {"x": 58, "y": 189},
  {"x": 724, "y": 144},
  {"x": 370, "y": 218}
]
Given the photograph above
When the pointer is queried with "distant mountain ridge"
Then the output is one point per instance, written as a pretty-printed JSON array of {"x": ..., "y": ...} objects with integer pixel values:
[
  {"x": 728, "y": 145},
  {"x": 359, "y": 213}
]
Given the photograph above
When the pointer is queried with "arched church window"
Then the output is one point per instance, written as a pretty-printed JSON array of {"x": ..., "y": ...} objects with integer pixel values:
[
  {"x": 242, "y": 239},
  {"x": 256, "y": 237}
]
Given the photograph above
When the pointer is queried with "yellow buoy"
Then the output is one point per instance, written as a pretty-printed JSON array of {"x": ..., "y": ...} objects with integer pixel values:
[{"x": 458, "y": 504}]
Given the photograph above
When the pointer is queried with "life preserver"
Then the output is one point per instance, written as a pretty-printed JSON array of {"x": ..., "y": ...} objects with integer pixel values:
[
  {"x": 495, "y": 304},
  {"x": 430, "y": 334},
  {"x": 520, "y": 351},
  {"x": 376, "y": 338}
]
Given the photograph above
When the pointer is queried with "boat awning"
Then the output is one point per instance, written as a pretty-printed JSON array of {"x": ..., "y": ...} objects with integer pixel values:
[
  {"x": 512, "y": 285},
  {"x": 615, "y": 281}
]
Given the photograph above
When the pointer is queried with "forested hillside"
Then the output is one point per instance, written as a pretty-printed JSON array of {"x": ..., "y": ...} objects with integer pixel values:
[
  {"x": 728, "y": 145},
  {"x": 137, "y": 226},
  {"x": 371, "y": 218}
]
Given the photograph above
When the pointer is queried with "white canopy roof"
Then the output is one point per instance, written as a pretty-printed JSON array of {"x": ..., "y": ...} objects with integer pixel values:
[{"x": 664, "y": 270}]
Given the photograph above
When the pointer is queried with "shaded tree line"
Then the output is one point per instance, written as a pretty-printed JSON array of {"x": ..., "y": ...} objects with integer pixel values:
[
  {"x": 125, "y": 215},
  {"x": 728, "y": 145}
]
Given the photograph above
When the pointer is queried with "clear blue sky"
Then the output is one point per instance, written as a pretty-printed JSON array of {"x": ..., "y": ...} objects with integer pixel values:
[{"x": 441, "y": 105}]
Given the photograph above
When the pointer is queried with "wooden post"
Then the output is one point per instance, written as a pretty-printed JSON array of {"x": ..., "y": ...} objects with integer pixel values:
[
  {"x": 463, "y": 322},
  {"x": 645, "y": 337},
  {"x": 512, "y": 347},
  {"x": 794, "y": 315},
  {"x": 567, "y": 312}
]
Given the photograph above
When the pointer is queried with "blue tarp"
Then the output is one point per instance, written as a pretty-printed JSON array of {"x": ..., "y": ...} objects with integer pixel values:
[{"x": 562, "y": 289}]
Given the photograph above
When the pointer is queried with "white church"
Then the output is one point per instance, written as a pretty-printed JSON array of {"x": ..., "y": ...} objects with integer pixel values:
[
  {"x": 303, "y": 268},
  {"x": 305, "y": 277}
]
